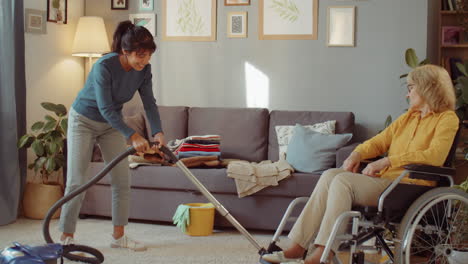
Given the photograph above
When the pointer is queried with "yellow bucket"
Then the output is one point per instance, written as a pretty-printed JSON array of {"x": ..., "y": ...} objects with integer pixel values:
[{"x": 201, "y": 219}]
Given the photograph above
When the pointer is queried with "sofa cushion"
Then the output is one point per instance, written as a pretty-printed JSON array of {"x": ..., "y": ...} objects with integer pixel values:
[
  {"x": 314, "y": 152},
  {"x": 344, "y": 124},
  {"x": 243, "y": 131},
  {"x": 173, "y": 121},
  {"x": 284, "y": 133},
  {"x": 215, "y": 180}
]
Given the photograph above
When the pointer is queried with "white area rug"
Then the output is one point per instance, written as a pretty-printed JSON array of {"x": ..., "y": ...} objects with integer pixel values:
[{"x": 167, "y": 244}]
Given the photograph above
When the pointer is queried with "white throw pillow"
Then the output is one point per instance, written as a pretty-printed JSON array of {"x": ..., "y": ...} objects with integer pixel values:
[{"x": 284, "y": 134}]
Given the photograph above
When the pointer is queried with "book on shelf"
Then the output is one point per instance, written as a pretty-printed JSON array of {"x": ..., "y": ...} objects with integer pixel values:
[{"x": 450, "y": 5}]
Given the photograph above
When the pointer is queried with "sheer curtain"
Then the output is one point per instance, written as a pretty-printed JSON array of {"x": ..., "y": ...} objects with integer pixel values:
[{"x": 12, "y": 108}]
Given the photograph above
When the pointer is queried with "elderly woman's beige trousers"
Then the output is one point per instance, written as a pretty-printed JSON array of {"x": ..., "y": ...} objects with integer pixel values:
[{"x": 336, "y": 191}]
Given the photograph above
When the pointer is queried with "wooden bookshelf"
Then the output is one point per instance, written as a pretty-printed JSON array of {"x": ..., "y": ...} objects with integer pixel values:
[
  {"x": 462, "y": 46},
  {"x": 447, "y": 12},
  {"x": 437, "y": 51}
]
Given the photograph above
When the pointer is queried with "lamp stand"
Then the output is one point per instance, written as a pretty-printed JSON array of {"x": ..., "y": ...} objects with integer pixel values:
[{"x": 88, "y": 67}]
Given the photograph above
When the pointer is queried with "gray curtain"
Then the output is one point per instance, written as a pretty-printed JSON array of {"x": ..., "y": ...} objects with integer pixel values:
[{"x": 12, "y": 108}]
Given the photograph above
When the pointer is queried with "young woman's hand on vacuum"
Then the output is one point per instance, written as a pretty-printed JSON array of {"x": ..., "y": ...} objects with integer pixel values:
[
  {"x": 139, "y": 142},
  {"x": 159, "y": 137}
]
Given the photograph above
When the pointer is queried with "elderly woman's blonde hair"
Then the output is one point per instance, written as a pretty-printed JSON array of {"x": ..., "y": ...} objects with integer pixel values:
[{"x": 434, "y": 85}]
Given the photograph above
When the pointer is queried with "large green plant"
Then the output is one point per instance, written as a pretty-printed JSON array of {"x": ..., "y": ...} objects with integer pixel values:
[
  {"x": 461, "y": 89},
  {"x": 47, "y": 140}
]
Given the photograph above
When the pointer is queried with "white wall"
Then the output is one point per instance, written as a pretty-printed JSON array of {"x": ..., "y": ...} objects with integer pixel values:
[{"x": 52, "y": 74}]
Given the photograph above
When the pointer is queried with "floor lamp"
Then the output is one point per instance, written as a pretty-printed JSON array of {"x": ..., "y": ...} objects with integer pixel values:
[{"x": 90, "y": 39}]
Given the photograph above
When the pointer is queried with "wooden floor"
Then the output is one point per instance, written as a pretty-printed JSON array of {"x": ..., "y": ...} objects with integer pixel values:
[{"x": 374, "y": 258}]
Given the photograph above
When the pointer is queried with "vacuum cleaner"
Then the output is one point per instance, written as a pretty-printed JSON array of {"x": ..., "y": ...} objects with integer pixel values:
[{"x": 52, "y": 252}]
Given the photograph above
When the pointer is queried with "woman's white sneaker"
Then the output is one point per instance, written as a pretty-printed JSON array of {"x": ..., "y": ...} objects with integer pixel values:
[
  {"x": 68, "y": 241},
  {"x": 278, "y": 257},
  {"x": 126, "y": 242}
]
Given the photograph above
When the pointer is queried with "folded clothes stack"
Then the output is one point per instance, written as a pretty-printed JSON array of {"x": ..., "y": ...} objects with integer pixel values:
[{"x": 193, "y": 146}]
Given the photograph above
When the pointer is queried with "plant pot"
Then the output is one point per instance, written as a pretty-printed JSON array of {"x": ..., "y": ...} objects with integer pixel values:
[{"x": 39, "y": 198}]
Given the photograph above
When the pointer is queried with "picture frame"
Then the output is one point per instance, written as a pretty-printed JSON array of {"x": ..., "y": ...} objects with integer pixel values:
[
  {"x": 452, "y": 35},
  {"x": 298, "y": 20},
  {"x": 119, "y": 4},
  {"x": 237, "y": 24},
  {"x": 146, "y": 5},
  {"x": 341, "y": 25},
  {"x": 35, "y": 21},
  {"x": 197, "y": 22},
  {"x": 236, "y": 2},
  {"x": 146, "y": 20},
  {"x": 57, "y": 11}
]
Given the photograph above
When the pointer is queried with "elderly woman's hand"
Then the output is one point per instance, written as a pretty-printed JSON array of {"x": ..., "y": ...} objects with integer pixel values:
[
  {"x": 352, "y": 162},
  {"x": 374, "y": 167}
]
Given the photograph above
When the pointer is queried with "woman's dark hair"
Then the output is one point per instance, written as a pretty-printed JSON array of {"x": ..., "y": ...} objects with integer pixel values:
[{"x": 129, "y": 37}]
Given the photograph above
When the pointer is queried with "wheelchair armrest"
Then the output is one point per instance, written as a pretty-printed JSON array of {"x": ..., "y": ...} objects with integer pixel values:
[{"x": 428, "y": 172}]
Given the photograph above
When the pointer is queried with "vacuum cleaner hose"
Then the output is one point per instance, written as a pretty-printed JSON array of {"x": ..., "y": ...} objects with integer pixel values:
[{"x": 69, "y": 249}]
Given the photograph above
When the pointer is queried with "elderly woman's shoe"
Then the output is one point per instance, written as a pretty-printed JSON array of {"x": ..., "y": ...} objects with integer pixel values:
[
  {"x": 300, "y": 261},
  {"x": 278, "y": 257}
]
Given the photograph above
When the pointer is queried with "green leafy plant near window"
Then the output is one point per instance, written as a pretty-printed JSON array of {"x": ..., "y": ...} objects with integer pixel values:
[
  {"x": 47, "y": 140},
  {"x": 461, "y": 90}
]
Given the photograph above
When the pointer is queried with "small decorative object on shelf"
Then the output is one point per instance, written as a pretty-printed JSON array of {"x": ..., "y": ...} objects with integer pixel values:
[
  {"x": 451, "y": 35},
  {"x": 462, "y": 14}
]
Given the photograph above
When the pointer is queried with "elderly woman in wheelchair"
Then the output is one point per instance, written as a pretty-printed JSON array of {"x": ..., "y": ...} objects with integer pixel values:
[{"x": 423, "y": 135}]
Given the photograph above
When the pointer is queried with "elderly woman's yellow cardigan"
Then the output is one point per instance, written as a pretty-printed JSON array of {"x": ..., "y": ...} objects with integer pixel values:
[{"x": 412, "y": 139}]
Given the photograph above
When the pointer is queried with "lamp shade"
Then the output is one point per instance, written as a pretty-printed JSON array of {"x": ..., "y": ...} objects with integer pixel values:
[{"x": 90, "y": 37}]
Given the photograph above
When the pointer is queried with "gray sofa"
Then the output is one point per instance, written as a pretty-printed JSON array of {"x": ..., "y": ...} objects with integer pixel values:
[{"x": 246, "y": 133}]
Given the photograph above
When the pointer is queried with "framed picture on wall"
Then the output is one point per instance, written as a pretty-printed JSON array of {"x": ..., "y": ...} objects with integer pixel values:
[
  {"x": 57, "y": 11},
  {"x": 119, "y": 4},
  {"x": 341, "y": 24},
  {"x": 236, "y": 2},
  {"x": 193, "y": 20},
  {"x": 146, "y": 5},
  {"x": 35, "y": 21},
  {"x": 145, "y": 20},
  {"x": 237, "y": 24},
  {"x": 288, "y": 19}
]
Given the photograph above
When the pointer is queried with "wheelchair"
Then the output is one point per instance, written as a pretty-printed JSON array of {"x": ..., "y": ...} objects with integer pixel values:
[{"x": 411, "y": 224}]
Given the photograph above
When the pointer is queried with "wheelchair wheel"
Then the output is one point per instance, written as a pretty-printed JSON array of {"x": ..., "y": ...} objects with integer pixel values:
[{"x": 435, "y": 229}]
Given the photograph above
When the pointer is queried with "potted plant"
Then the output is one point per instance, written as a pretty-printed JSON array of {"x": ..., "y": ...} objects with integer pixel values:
[
  {"x": 461, "y": 89},
  {"x": 47, "y": 140}
]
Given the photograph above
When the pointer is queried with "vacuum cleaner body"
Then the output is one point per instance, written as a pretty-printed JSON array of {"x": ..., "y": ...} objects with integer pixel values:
[{"x": 22, "y": 254}]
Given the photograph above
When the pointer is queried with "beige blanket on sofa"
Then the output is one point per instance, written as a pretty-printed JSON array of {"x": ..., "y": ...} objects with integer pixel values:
[{"x": 253, "y": 177}]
